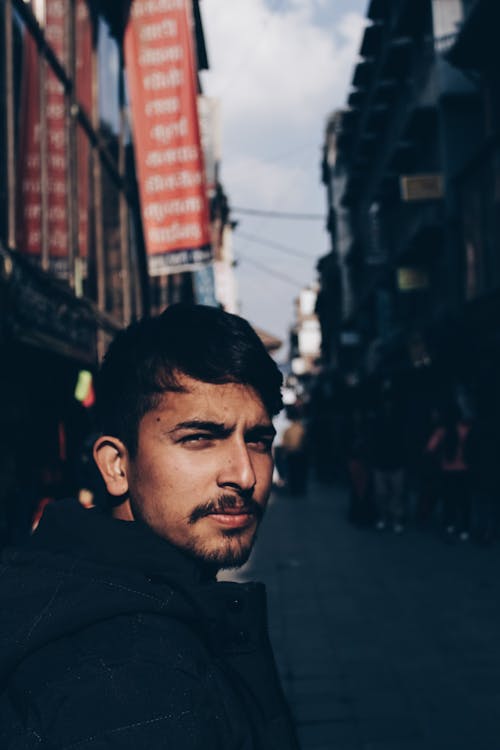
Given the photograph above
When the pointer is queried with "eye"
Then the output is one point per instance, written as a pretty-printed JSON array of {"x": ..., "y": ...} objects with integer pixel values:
[
  {"x": 197, "y": 438},
  {"x": 262, "y": 445}
]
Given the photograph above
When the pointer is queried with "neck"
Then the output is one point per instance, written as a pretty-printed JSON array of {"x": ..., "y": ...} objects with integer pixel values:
[{"x": 123, "y": 512}]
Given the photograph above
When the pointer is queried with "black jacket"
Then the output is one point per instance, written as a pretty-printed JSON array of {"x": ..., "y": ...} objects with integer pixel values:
[{"x": 112, "y": 638}]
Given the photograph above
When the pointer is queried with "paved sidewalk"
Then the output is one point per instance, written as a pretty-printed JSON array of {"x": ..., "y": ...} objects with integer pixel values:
[{"x": 384, "y": 642}]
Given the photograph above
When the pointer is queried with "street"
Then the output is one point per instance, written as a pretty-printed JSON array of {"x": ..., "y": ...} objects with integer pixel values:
[{"x": 383, "y": 641}]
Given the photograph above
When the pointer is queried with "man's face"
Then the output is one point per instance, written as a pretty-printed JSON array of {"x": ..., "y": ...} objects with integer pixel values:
[{"x": 202, "y": 473}]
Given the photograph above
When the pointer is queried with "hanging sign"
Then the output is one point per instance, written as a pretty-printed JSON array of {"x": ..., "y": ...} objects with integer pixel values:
[
  {"x": 161, "y": 74},
  {"x": 44, "y": 151}
]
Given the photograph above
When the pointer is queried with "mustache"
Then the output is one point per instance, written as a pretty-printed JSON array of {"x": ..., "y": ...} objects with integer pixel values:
[{"x": 226, "y": 503}]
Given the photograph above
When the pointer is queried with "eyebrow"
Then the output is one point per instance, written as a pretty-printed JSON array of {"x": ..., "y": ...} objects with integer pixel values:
[
  {"x": 219, "y": 429},
  {"x": 261, "y": 430}
]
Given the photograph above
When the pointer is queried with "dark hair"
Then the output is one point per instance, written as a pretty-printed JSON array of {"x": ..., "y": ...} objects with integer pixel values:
[{"x": 204, "y": 343}]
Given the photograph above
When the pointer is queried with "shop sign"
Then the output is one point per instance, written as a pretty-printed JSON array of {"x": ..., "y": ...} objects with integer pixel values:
[
  {"x": 39, "y": 310},
  {"x": 421, "y": 187},
  {"x": 349, "y": 338},
  {"x": 412, "y": 279},
  {"x": 44, "y": 151},
  {"x": 161, "y": 72}
]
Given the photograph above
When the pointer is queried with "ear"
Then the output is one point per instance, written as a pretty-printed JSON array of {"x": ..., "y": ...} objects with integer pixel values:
[{"x": 110, "y": 455}]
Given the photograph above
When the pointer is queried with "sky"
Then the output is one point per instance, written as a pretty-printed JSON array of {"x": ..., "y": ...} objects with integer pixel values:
[{"x": 279, "y": 68}]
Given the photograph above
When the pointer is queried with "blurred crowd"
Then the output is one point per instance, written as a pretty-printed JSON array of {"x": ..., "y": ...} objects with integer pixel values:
[{"x": 408, "y": 461}]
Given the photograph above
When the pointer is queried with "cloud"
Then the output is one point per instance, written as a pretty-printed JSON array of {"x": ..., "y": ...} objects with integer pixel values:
[
  {"x": 279, "y": 67},
  {"x": 276, "y": 72},
  {"x": 250, "y": 175}
]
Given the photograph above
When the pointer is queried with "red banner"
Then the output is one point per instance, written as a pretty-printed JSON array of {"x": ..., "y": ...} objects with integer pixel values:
[
  {"x": 83, "y": 31},
  {"x": 161, "y": 76},
  {"x": 55, "y": 148}
]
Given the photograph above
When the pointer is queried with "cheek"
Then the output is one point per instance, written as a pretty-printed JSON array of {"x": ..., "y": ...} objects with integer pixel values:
[
  {"x": 174, "y": 476},
  {"x": 263, "y": 468}
]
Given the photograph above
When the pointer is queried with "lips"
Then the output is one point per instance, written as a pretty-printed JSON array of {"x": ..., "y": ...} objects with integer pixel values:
[
  {"x": 232, "y": 518},
  {"x": 228, "y": 510}
]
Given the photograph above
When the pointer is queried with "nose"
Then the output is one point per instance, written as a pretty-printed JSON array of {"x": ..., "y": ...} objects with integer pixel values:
[{"x": 237, "y": 471}]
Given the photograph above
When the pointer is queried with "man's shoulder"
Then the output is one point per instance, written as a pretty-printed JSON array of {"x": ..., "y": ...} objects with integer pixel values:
[
  {"x": 128, "y": 701},
  {"x": 133, "y": 677}
]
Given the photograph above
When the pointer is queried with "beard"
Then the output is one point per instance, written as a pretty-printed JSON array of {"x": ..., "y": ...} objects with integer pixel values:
[
  {"x": 233, "y": 551},
  {"x": 233, "y": 546},
  {"x": 221, "y": 549}
]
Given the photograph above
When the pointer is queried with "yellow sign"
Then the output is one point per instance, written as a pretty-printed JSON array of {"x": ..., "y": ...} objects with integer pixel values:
[
  {"x": 421, "y": 187},
  {"x": 412, "y": 279}
]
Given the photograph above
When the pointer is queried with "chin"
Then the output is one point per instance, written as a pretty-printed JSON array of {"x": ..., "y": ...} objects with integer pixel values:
[{"x": 231, "y": 553}]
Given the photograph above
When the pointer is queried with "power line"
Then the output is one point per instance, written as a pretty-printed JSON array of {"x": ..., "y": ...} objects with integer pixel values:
[
  {"x": 276, "y": 274},
  {"x": 277, "y": 214},
  {"x": 274, "y": 245}
]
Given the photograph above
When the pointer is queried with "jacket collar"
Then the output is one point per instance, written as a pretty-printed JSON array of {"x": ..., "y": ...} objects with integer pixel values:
[{"x": 68, "y": 528}]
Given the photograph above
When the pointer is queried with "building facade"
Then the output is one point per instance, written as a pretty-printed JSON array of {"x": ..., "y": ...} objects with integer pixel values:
[
  {"x": 413, "y": 179},
  {"x": 73, "y": 266}
]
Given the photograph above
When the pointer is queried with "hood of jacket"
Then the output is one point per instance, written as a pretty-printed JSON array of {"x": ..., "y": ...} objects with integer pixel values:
[{"x": 81, "y": 567}]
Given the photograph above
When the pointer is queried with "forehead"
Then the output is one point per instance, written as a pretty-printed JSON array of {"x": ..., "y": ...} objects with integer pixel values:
[{"x": 217, "y": 402}]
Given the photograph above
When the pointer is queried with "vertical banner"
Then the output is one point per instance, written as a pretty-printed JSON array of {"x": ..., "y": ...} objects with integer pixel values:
[
  {"x": 83, "y": 33},
  {"x": 51, "y": 177},
  {"x": 29, "y": 214},
  {"x": 161, "y": 74}
]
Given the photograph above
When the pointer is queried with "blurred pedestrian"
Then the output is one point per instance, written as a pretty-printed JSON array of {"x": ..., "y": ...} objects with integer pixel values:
[
  {"x": 296, "y": 452},
  {"x": 483, "y": 457},
  {"x": 448, "y": 444},
  {"x": 428, "y": 487},
  {"x": 321, "y": 429},
  {"x": 388, "y": 455},
  {"x": 361, "y": 511},
  {"x": 281, "y": 423}
]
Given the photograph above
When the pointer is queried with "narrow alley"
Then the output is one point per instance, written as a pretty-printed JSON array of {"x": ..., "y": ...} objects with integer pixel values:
[{"x": 383, "y": 641}]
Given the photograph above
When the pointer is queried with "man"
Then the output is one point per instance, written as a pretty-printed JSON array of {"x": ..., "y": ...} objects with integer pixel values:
[{"x": 115, "y": 632}]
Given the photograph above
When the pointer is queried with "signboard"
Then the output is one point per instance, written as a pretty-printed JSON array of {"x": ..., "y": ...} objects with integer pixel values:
[
  {"x": 161, "y": 74},
  {"x": 350, "y": 338},
  {"x": 39, "y": 309},
  {"x": 204, "y": 286},
  {"x": 51, "y": 207},
  {"x": 412, "y": 279},
  {"x": 421, "y": 187}
]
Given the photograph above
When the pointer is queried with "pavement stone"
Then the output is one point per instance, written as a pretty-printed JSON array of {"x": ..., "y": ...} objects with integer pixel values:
[{"x": 382, "y": 641}]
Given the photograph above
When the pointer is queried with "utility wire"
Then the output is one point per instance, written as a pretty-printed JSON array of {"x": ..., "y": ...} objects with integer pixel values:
[
  {"x": 276, "y": 274},
  {"x": 277, "y": 214},
  {"x": 274, "y": 245}
]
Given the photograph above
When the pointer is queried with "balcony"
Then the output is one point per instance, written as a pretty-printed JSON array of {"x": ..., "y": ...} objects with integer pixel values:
[
  {"x": 476, "y": 46},
  {"x": 356, "y": 98},
  {"x": 398, "y": 57},
  {"x": 352, "y": 189},
  {"x": 416, "y": 232},
  {"x": 378, "y": 10},
  {"x": 372, "y": 40},
  {"x": 385, "y": 90},
  {"x": 363, "y": 73},
  {"x": 377, "y": 116}
]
